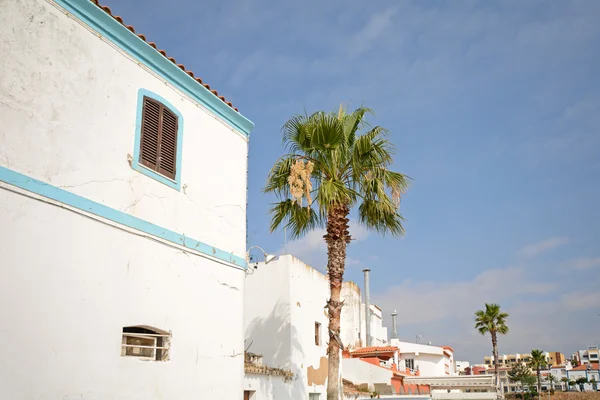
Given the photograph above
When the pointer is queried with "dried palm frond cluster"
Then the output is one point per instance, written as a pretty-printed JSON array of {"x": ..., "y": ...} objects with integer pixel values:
[{"x": 299, "y": 181}]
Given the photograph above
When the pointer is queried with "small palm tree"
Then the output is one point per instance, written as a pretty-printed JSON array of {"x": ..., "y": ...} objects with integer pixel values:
[
  {"x": 341, "y": 162},
  {"x": 581, "y": 381},
  {"x": 538, "y": 361},
  {"x": 492, "y": 321},
  {"x": 565, "y": 380},
  {"x": 552, "y": 380}
]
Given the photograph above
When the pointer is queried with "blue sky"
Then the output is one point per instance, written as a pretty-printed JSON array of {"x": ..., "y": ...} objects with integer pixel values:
[{"x": 494, "y": 108}]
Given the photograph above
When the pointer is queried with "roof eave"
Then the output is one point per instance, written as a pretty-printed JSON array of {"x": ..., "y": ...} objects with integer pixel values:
[{"x": 110, "y": 28}]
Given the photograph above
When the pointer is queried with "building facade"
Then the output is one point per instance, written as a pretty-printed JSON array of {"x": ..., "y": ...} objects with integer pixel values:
[
  {"x": 461, "y": 367},
  {"x": 286, "y": 323},
  {"x": 508, "y": 360},
  {"x": 119, "y": 241},
  {"x": 557, "y": 358},
  {"x": 429, "y": 361},
  {"x": 589, "y": 371},
  {"x": 589, "y": 355}
]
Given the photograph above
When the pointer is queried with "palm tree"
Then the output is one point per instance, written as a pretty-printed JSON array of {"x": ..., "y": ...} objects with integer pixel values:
[
  {"x": 341, "y": 162},
  {"x": 492, "y": 321},
  {"x": 538, "y": 360},
  {"x": 565, "y": 380},
  {"x": 552, "y": 380},
  {"x": 581, "y": 381}
]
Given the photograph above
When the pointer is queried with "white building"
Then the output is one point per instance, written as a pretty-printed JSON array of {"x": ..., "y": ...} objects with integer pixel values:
[
  {"x": 460, "y": 366},
  {"x": 379, "y": 333},
  {"x": 589, "y": 371},
  {"x": 286, "y": 323},
  {"x": 430, "y": 361},
  {"x": 123, "y": 252},
  {"x": 589, "y": 355}
]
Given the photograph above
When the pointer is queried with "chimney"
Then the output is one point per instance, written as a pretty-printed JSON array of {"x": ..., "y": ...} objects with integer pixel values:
[
  {"x": 394, "y": 325},
  {"x": 369, "y": 340}
]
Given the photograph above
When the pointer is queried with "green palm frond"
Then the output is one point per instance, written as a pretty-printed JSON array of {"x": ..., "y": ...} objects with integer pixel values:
[
  {"x": 491, "y": 320},
  {"x": 298, "y": 220},
  {"x": 350, "y": 168},
  {"x": 381, "y": 216},
  {"x": 538, "y": 359}
]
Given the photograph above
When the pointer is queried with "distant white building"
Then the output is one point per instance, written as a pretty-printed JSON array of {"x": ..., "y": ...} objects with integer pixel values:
[
  {"x": 123, "y": 214},
  {"x": 430, "y": 361},
  {"x": 379, "y": 333},
  {"x": 590, "y": 371},
  {"x": 589, "y": 355},
  {"x": 286, "y": 323},
  {"x": 460, "y": 366}
]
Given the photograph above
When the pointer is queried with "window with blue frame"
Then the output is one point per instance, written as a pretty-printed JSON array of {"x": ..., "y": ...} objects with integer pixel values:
[{"x": 158, "y": 138}]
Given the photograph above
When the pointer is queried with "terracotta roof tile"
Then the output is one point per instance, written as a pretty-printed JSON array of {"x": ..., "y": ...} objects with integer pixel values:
[
  {"x": 375, "y": 349},
  {"x": 143, "y": 37},
  {"x": 584, "y": 367}
]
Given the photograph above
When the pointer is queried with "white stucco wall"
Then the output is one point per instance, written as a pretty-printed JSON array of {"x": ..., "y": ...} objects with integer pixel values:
[
  {"x": 461, "y": 365},
  {"x": 266, "y": 387},
  {"x": 379, "y": 333},
  {"x": 283, "y": 300},
  {"x": 309, "y": 294},
  {"x": 267, "y": 313},
  {"x": 358, "y": 371},
  {"x": 430, "y": 360},
  {"x": 70, "y": 284},
  {"x": 68, "y": 103},
  {"x": 350, "y": 323}
]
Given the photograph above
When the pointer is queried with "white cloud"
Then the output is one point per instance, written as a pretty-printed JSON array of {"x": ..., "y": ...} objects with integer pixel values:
[
  {"x": 580, "y": 300},
  {"x": 374, "y": 28},
  {"x": 312, "y": 248},
  {"x": 435, "y": 301},
  {"x": 583, "y": 263},
  {"x": 352, "y": 261},
  {"x": 540, "y": 311},
  {"x": 534, "y": 249}
]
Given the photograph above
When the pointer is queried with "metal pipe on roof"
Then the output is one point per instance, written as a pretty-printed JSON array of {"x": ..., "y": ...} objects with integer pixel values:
[
  {"x": 367, "y": 308},
  {"x": 394, "y": 325}
]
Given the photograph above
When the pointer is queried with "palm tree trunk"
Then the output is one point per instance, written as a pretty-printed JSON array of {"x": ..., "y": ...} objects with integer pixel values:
[
  {"x": 495, "y": 351},
  {"x": 539, "y": 376},
  {"x": 337, "y": 239}
]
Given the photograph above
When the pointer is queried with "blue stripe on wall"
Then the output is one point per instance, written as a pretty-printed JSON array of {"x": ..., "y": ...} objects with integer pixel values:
[
  {"x": 60, "y": 195},
  {"x": 107, "y": 26}
]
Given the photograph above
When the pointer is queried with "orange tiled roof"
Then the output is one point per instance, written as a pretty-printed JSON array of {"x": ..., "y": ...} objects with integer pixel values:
[
  {"x": 448, "y": 348},
  {"x": 375, "y": 349},
  {"x": 583, "y": 367},
  {"x": 181, "y": 66}
]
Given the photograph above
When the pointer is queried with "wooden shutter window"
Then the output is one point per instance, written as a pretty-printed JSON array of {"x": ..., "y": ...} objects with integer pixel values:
[{"x": 158, "y": 141}]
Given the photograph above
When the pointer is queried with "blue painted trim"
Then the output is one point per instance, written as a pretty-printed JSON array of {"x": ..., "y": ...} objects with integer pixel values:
[
  {"x": 107, "y": 26},
  {"x": 52, "y": 192},
  {"x": 175, "y": 184}
]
